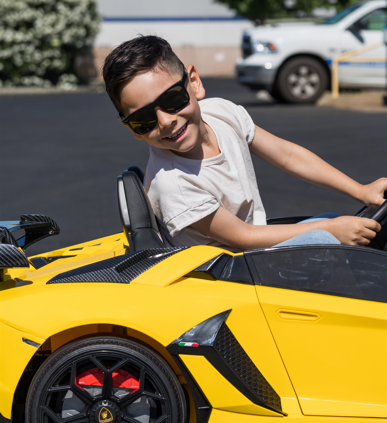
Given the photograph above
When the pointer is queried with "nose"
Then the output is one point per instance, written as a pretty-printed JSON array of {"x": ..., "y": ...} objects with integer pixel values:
[{"x": 165, "y": 119}]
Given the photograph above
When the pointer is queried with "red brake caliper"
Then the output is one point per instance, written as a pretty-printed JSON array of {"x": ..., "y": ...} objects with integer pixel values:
[{"x": 93, "y": 378}]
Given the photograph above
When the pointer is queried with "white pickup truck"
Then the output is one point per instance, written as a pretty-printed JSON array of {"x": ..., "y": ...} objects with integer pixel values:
[{"x": 293, "y": 62}]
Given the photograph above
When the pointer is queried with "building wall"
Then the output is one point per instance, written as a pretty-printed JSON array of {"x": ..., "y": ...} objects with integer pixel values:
[{"x": 202, "y": 32}]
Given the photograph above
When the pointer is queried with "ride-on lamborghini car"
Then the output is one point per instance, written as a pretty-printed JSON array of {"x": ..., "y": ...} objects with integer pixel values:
[{"x": 125, "y": 330}]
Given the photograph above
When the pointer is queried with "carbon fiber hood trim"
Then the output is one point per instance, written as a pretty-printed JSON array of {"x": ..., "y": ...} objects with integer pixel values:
[{"x": 122, "y": 269}]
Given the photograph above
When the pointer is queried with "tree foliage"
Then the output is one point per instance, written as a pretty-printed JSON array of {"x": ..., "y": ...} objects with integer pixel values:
[
  {"x": 41, "y": 39},
  {"x": 264, "y": 9}
]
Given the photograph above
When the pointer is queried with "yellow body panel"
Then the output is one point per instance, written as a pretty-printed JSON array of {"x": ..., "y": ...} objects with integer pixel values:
[
  {"x": 161, "y": 304},
  {"x": 154, "y": 304},
  {"x": 335, "y": 350},
  {"x": 14, "y": 356}
]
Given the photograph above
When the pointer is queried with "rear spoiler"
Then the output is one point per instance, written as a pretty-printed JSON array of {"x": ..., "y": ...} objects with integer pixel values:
[{"x": 36, "y": 227}]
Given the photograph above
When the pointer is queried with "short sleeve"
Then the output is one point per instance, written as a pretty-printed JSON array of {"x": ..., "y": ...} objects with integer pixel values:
[
  {"x": 179, "y": 200},
  {"x": 248, "y": 124},
  {"x": 234, "y": 116},
  {"x": 190, "y": 216}
]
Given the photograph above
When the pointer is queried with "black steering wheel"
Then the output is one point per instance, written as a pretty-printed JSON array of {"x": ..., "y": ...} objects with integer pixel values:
[{"x": 379, "y": 214}]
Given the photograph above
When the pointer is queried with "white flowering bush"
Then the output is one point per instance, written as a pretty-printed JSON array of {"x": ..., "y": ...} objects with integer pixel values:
[{"x": 41, "y": 39}]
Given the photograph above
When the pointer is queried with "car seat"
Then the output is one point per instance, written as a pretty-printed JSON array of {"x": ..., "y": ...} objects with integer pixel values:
[{"x": 137, "y": 217}]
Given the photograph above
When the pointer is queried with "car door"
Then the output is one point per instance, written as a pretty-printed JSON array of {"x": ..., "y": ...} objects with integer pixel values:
[
  {"x": 326, "y": 308},
  {"x": 366, "y": 31}
]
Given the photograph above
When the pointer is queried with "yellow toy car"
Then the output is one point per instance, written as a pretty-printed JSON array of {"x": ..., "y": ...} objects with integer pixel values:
[{"x": 126, "y": 330}]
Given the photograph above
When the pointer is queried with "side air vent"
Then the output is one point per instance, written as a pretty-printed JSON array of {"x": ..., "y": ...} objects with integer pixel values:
[
  {"x": 122, "y": 269},
  {"x": 214, "y": 340},
  {"x": 234, "y": 355}
]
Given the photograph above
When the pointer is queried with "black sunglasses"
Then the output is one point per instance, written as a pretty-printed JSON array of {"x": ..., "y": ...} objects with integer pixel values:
[{"x": 172, "y": 100}]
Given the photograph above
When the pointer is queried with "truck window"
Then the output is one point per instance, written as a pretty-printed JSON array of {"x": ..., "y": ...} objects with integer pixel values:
[
  {"x": 374, "y": 21},
  {"x": 341, "y": 15}
]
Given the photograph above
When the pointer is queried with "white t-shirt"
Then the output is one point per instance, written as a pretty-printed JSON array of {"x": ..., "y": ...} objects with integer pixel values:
[{"x": 183, "y": 191}]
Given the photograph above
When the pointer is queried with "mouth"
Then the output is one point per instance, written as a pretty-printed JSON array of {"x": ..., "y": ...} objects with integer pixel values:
[{"x": 178, "y": 135}]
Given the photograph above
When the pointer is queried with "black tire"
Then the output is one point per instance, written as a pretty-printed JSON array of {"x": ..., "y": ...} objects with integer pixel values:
[
  {"x": 60, "y": 390},
  {"x": 302, "y": 80}
]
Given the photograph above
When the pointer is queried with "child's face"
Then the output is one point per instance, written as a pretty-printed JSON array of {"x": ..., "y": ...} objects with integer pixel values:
[{"x": 187, "y": 124}]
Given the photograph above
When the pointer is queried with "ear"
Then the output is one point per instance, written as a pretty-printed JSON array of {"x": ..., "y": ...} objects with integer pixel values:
[
  {"x": 195, "y": 82},
  {"x": 138, "y": 137}
]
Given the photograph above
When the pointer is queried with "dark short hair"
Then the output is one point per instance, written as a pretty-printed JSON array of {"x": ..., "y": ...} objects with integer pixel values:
[{"x": 131, "y": 58}]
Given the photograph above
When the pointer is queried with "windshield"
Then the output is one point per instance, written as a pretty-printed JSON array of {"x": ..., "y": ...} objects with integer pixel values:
[{"x": 341, "y": 15}]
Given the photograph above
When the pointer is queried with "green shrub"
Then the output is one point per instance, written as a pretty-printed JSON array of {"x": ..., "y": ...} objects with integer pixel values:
[{"x": 41, "y": 39}]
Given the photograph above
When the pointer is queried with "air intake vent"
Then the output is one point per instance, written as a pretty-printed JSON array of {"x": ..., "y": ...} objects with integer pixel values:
[
  {"x": 121, "y": 269},
  {"x": 237, "y": 359}
]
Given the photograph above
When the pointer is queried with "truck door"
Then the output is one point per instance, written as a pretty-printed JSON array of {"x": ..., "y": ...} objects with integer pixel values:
[{"x": 366, "y": 31}]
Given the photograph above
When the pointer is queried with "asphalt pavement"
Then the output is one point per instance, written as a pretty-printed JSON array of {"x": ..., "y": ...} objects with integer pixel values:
[{"x": 60, "y": 155}]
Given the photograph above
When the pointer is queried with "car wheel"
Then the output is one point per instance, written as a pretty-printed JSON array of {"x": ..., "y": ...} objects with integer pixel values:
[
  {"x": 302, "y": 80},
  {"x": 105, "y": 380}
]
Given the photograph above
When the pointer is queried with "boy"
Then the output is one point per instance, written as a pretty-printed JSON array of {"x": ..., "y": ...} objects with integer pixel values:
[{"x": 200, "y": 178}]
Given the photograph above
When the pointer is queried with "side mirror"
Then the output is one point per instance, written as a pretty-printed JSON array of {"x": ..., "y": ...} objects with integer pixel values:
[{"x": 11, "y": 257}]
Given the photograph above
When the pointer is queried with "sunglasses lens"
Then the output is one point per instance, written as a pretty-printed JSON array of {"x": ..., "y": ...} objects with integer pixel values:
[
  {"x": 142, "y": 121},
  {"x": 175, "y": 99}
]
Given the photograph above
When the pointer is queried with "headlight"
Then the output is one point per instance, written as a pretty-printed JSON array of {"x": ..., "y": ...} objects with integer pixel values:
[{"x": 265, "y": 48}]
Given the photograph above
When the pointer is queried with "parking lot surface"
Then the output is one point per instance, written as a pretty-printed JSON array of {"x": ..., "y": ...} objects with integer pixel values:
[{"x": 61, "y": 154}]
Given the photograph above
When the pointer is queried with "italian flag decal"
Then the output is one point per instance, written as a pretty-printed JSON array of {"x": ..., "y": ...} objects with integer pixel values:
[{"x": 188, "y": 344}]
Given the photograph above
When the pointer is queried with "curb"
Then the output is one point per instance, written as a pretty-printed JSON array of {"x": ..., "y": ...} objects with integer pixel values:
[{"x": 363, "y": 101}]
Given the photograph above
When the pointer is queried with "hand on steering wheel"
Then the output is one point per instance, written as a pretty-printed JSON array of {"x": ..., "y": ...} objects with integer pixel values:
[{"x": 379, "y": 214}]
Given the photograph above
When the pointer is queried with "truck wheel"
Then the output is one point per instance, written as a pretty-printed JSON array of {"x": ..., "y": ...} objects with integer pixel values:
[
  {"x": 302, "y": 80},
  {"x": 102, "y": 380}
]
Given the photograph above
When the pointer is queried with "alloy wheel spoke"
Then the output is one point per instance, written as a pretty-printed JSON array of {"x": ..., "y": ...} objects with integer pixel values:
[
  {"x": 127, "y": 400},
  {"x": 129, "y": 419},
  {"x": 292, "y": 78},
  {"x": 314, "y": 78},
  {"x": 59, "y": 388},
  {"x": 98, "y": 364},
  {"x": 107, "y": 385},
  {"x": 83, "y": 418},
  {"x": 303, "y": 70},
  {"x": 80, "y": 393},
  {"x": 153, "y": 395},
  {"x": 161, "y": 419},
  {"x": 309, "y": 90},
  {"x": 51, "y": 414},
  {"x": 118, "y": 365}
]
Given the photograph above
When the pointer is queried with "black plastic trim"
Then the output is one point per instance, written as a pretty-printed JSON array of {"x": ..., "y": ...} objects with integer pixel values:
[
  {"x": 221, "y": 365},
  {"x": 237, "y": 367},
  {"x": 203, "y": 407},
  {"x": 121, "y": 269},
  {"x": 211, "y": 270},
  {"x": 236, "y": 270},
  {"x": 4, "y": 420},
  {"x": 224, "y": 268},
  {"x": 32, "y": 343},
  {"x": 231, "y": 361}
]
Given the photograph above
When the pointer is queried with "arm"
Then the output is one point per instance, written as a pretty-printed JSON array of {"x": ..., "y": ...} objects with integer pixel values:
[
  {"x": 228, "y": 229},
  {"x": 302, "y": 163}
]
